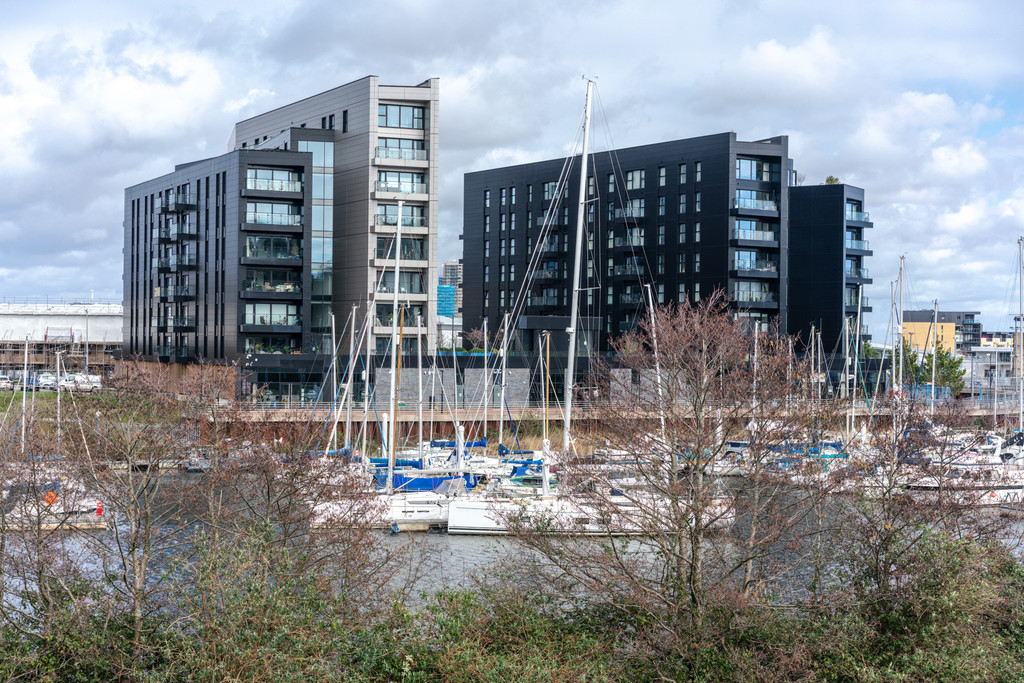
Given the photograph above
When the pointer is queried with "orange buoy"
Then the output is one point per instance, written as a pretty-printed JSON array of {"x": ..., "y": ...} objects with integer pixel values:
[{"x": 50, "y": 498}]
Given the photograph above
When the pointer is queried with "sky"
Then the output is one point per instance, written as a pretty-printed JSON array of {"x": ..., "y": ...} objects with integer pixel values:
[{"x": 919, "y": 103}]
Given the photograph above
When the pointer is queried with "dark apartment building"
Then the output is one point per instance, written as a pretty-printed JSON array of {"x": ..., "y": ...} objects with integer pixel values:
[
  {"x": 243, "y": 258},
  {"x": 828, "y": 246},
  {"x": 686, "y": 217}
]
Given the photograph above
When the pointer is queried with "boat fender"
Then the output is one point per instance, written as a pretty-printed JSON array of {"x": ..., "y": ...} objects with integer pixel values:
[{"x": 394, "y": 528}]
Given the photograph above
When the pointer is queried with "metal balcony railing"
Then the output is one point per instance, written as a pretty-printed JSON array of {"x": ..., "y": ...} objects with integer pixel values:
[{"x": 403, "y": 154}]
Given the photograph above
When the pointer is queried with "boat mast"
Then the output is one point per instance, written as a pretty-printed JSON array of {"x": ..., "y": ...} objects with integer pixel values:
[
  {"x": 657, "y": 369},
  {"x": 570, "y": 366},
  {"x": 419, "y": 375},
  {"x": 899, "y": 324},
  {"x": 1020, "y": 341},
  {"x": 334, "y": 384},
  {"x": 545, "y": 364},
  {"x": 501, "y": 400},
  {"x": 351, "y": 372},
  {"x": 394, "y": 342},
  {"x": 24, "y": 396},
  {"x": 935, "y": 349},
  {"x": 487, "y": 384}
]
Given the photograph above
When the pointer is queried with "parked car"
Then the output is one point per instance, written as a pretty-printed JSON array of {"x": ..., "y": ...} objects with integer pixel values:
[
  {"x": 46, "y": 381},
  {"x": 6, "y": 384}
]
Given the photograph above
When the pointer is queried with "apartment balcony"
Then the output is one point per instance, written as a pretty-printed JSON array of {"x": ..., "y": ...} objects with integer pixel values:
[
  {"x": 626, "y": 326},
  {"x": 633, "y": 270},
  {"x": 401, "y": 158},
  {"x": 163, "y": 235},
  {"x": 179, "y": 293},
  {"x": 552, "y": 249},
  {"x": 183, "y": 351},
  {"x": 158, "y": 323},
  {"x": 851, "y": 302},
  {"x": 546, "y": 274},
  {"x": 177, "y": 202},
  {"x": 759, "y": 238},
  {"x": 555, "y": 221},
  {"x": 630, "y": 298},
  {"x": 161, "y": 264},
  {"x": 760, "y": 268},
  {"x": 755, "y": 207},
  {"x": 386, "y": 189},
  {"x": 629, "y": 242},
  {"x": 858, "y": 217},
  {"x": 628, "y": 216},
  {"x": 543, "y": 301},
  {"x": 407, "y": 221},
  {"x": 187, "y": 231},
  {"x": 857, "y": 245},
  {"x": 756, "y": 299},
  {"x": 283, "y": 324},
  {"x": 857, "y": 274},
  {"x": 180, "y": 264},
  {"x": 264, "y": 185},
  {"x": 183, "y": 323}
]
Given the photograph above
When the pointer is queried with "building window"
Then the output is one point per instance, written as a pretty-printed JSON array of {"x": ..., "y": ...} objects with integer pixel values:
[
  {"x": 487, "y": 223},
  {"x": 502, "y": 194},
  {"x": 487, "y": 273},
  {"x": 696, "y": 202},
  {"x": 682, "y": 262},
  {"x": 661, "y": 293},
  {"x": 550, "y": 191},
  {"x": 682, "y": 292},
  {"x": 344, "y": 121},
  {"x": 501, "y": 270},
  {"x": 590, "y": 186},
  {"x": 399, "y": 116},
  {"x": 696, "y": 232},
  {"x": 682, "y": 173},
  {"x": 661, "y": 264},
  {"x": 697, "y": 171},
  {"x": 401, "y": 181},
  {"x": 682, "y": 233},
  {"x": 756, "y": 169},
  {"x": 330, "y": 121},
  {"x": 661, "y": 234},
  {"x": 682, "y": 203},
  {"x": 611, "y": 184},
  {"x": 323, "y": 122},
  {"x": 512, "y": 247},
  {"x": 512, "y": 272},
  {"x": 401, "y": 148},
  {"x": 512, "y": 196},
  {"x": 635, "y": 208},
  {"x": 487, "y": 248},
  {"x": 501, "y": 247},
  {"x": 696, "y": 291},
  {"x": 501, "y": 222},
  {"x": 487, "y": 199},
  {"x": 661, "y": 205},
  {"x": 635, "y": 179},
  {"x": 529, "y": 194},
  {"x": 512, "y": 222},
  {"x": 661, "y": 176}
]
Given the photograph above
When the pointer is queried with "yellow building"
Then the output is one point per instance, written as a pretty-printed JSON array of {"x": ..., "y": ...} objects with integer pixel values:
[{"x": 919, "y": 336}]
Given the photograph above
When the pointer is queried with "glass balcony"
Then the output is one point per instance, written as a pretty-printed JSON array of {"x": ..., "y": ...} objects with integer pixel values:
[
  {"x": 857, "y": 273},
  {"x": 159, "y": 262},
  {"x": 630, "y": 298},
  {"x": 554, "y": 220},
  {"x": 183, "y": 231},
  {"x": 628, "y": 213},
  {"x": 163, "y": 350},
  {"x": 857, "y": 244},
  {"x": 183, "y": 351},
  {"x": 543, "y": 301},
  {"x": 403, "y": 154},
  {"x": 417, "y": 253},
  {"x": 273, "y": 218},
  {"x": 174, "y": 202},
  {"x": 163, "y": 234},
  {"x": 756, "y": 264},
  {"x": 755, "y": 204},
  {"x": 398, "y": 186},
  {"x": 547, "y": 274},
  {"x": 183, "y": 261},
  {"x": 276, "y": 319},
  {"x": 273, "y": 185},
  {"x": 407, "y": 221},
  {"x": 183, "y": 321},
  {"x": 181, "y": 291},
  {"x": 630, "y": 241},
  {"x": 158, "y": 322},
  {"x": 753, "y": 297},
  {"x": 759, "y": 235},
  {"x": 851, "y": 302},
  {"x": 272, "y": 286},
  {"x": 861, "y": 216},
  {"x": 629, "y": 269}
]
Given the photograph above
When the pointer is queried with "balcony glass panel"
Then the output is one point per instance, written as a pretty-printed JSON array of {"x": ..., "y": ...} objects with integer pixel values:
[{"x": 273, "y": 247}]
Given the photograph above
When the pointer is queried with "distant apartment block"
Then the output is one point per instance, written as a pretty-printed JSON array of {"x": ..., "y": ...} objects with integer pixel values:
[{"x": 244, "y": 257}]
